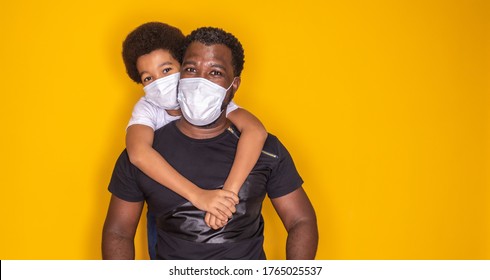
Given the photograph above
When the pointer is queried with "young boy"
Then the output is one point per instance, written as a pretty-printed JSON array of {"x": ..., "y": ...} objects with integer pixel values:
[{"x": 152, "y": 56}]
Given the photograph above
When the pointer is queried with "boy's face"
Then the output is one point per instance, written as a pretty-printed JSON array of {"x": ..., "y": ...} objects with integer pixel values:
[{"x": 155, "y": 65}]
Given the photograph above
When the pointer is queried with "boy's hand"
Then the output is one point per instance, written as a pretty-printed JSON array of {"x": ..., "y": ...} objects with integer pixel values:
[
  {"x": 220, "y": 203},
  {"x": 214, "y": 222}
]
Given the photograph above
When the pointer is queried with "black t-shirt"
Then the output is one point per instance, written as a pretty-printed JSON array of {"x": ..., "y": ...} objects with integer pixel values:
[{"x": 182, "y": 232}]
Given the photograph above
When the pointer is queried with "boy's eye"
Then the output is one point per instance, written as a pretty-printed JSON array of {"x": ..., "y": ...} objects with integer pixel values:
[
  {"x": 146, "y": 79},
  {"x": 166, "y": 70}
]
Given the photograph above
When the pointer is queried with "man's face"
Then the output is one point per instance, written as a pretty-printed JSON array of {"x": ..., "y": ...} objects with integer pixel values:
[{"x": 213, "y": 63}]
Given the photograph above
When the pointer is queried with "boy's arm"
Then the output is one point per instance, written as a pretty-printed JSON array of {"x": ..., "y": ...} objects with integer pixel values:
[
  {"x": 252, "y": 139},
  {"x": 139, "y": 140},
  {"x": 250, "y": 145}
]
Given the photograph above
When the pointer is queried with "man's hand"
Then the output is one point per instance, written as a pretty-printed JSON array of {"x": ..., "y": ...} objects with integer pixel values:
[{"x": 220, "y": 203}]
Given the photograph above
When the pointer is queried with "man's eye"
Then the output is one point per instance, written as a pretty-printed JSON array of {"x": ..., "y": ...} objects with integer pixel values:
[
  {"x": 189, "y": 69},
  {"x": 216, "y": 73}
]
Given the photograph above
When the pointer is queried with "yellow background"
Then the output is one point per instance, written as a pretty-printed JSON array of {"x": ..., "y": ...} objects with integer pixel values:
[{"x": 384, "y": 106}]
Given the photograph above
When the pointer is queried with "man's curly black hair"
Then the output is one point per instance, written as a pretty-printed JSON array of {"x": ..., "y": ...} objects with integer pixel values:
[
  {"x": 147, "y": 38},
  {"x": 213, "y": 36}
]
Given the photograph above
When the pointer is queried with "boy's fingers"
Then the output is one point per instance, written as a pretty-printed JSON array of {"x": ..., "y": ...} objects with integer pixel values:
[
  {"x": 212, "y": 221},
  {"x": 223, "y": 211},
  {"x": 222, "y": 223},
  {"x": 227, "y": 211},
  {"x": 217, "y": 213},
  {"x": 231, "y": 195},
  {"x": 207, "y": 218},
  {"x": 232, "y": 208},
  {"x": 231, "y": 205}
]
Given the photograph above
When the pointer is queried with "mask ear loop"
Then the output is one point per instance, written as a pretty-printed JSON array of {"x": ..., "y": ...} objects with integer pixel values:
[
  {"x": 224, "y": 106},
  {"x": 231, "y": 84}
]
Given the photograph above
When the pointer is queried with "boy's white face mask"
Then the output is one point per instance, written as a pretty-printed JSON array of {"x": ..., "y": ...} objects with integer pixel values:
[
  {"x": 201, "y": 100},
  {"x": 163, "y": 92}
]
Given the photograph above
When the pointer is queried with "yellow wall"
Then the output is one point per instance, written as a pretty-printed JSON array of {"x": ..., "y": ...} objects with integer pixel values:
[{"x": 384, "y": 106}]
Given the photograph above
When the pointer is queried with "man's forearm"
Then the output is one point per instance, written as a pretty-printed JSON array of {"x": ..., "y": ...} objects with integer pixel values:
[
  {"x": 116, "y": 247},
  {"x": 302, "y": 241}
]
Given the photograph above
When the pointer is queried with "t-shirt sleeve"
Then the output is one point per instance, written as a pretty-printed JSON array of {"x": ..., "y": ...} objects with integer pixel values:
[
  {"x": 284, "y": 177},
  {"x": 123, "y": 181},
  {"x": 231, "y": 107},
  {"x": 144, "y": 113}
]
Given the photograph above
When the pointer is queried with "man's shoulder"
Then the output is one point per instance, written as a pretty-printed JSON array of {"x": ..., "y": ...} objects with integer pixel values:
[
  {"x": 274, "y": 148},
  {"x": 123, "y": 160},
  {"x": 272, "y": 138},
  {"x": 272, "y": 142}
]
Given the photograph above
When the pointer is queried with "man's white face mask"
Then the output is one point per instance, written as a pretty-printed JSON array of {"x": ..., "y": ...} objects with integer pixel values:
[
  {"x": 201, "y": 100},
  {"x": 163, "y": 92}
]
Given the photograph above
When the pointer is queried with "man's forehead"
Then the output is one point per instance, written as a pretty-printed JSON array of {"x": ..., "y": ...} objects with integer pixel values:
[{"x": 198, "y": 50}]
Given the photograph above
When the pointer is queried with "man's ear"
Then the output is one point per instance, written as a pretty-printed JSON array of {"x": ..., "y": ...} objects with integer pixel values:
[
  {"x": 236, "y": 84},
  {"x": 234, "y": 87}
]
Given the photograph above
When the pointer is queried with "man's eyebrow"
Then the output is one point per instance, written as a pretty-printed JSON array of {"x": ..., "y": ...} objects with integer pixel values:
[
  {"x": 217, "y": 65},
  {"x": 189, "y": 62},
  {"x": 213, "y": 65}
]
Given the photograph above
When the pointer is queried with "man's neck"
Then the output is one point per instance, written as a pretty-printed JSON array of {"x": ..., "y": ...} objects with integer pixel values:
[{"x": 206, "y": 132}]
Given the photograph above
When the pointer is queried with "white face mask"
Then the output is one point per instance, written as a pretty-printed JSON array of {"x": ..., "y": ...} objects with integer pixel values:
[
  {"x": 201, "y": 100},
  {"x": 163, "y": 92}
]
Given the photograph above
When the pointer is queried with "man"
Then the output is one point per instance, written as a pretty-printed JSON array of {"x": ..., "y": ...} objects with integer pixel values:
[{"x": 201, "y": 146}]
